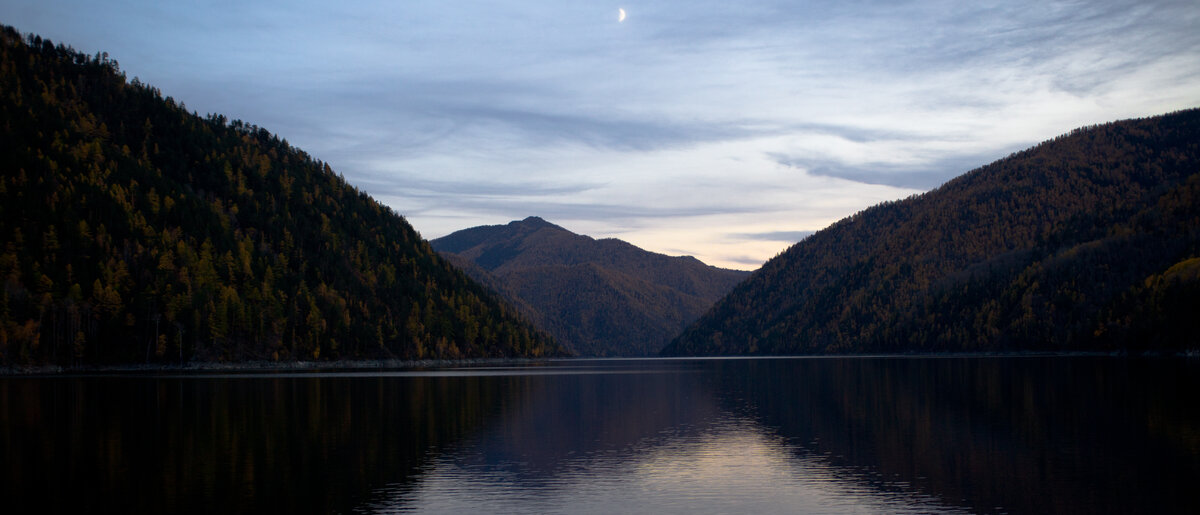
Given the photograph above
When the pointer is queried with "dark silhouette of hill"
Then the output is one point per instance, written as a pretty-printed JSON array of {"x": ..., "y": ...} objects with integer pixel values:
[
  {"x": 598, "y": 297},
  {"x": 1089, "y": 241},
  {"x": 134, "y": 231}
]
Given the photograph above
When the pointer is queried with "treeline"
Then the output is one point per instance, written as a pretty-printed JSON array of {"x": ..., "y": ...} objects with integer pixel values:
[
  {"x": 1085, "y": 242},
  {"x": 135, "y": 231}
]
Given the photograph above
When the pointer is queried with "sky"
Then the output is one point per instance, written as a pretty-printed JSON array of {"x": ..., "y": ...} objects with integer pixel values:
[{"x": 723, "y": 130}]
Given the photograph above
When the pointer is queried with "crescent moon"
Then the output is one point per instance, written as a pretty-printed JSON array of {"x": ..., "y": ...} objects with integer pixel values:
[{"x": 620, "y": 15}]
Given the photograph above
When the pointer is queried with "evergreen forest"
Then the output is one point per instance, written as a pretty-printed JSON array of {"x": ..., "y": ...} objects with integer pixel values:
[
  {"x": 1087, "y": 242},
  {"x": 134, "y": 231}
]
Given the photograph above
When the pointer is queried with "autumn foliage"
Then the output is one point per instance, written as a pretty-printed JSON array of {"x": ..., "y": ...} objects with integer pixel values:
[
  {"x": 134, "y": 231},
  {"x": 1085, "y": 242}
]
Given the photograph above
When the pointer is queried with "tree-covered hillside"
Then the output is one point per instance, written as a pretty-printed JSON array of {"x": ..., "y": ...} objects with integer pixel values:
[
  {"x": 1086, "y": 242},
  {"x": 134, "y": 231},
  {"x": 597, "y": 297}
]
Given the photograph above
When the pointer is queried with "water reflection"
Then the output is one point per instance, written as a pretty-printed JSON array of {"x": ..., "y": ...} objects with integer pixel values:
[
  {"x": 225, "y": 445},
  {"x": 1018, "y": 435},
  {"x": 732, "y": 467},
  {"x": 873, "y": 435},
  {"x": 836, "y": 435}
]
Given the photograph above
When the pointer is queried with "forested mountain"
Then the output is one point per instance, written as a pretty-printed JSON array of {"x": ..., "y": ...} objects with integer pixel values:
[
  {"x": 135, "y": 231},
  {"x": 1090, "y": 241},
  {"x": 597, "y": 297}
]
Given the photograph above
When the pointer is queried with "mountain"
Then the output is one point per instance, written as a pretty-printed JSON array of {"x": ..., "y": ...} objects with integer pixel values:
[
  {"x": 1086, "y": 242},
  {"x": 598, "y": 297},
  {"x": 134, "y": 231}
]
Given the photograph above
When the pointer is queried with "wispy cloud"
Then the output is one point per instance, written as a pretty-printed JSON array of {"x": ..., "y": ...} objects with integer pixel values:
[
  {"x": 437, "y": 189},
  {"x": 784, "y": 236},
  {"x": 923, "y": 174}
]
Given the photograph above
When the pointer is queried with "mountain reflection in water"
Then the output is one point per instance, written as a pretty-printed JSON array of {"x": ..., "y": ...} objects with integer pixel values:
[{"x": 825, "y": 435}]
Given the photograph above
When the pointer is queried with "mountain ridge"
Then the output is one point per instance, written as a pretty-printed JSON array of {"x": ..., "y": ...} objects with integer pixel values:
[
  {"x": 598, "y": 296},
  {"x": 136, "y": 232},
  {"x": 1074, "y": 244}
]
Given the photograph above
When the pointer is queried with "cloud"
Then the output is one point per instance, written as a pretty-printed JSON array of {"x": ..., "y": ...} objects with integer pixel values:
[
  {"x": 419, "y": 187},
  {"x": 923, "y": 175},
  {"x": 602, "y": 131},
  {"x": 515, "y": 208},
  {"x": 784, "y": 236},
  {"x": 747, "y": 262}
]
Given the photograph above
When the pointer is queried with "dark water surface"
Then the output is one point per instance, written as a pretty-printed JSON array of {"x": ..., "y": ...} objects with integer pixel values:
[{"x": 805, "y": 435}]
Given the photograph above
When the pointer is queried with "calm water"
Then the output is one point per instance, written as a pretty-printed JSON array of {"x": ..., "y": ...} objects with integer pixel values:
[{"x": 818, "y": 435}]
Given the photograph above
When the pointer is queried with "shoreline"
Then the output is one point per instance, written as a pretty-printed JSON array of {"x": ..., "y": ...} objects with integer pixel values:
[
  {"x": 201, "y": 367},
  {"x": 260, "y": 366}
]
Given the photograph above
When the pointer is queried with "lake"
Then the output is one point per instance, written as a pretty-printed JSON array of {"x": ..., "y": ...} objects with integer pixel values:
[{"x": 789, "y": 435}]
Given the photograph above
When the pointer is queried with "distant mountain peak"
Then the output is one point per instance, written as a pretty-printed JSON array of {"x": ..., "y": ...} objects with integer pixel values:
[
  {"x": 534, "y": 224},
  {"x": 602, "y": 297}
]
